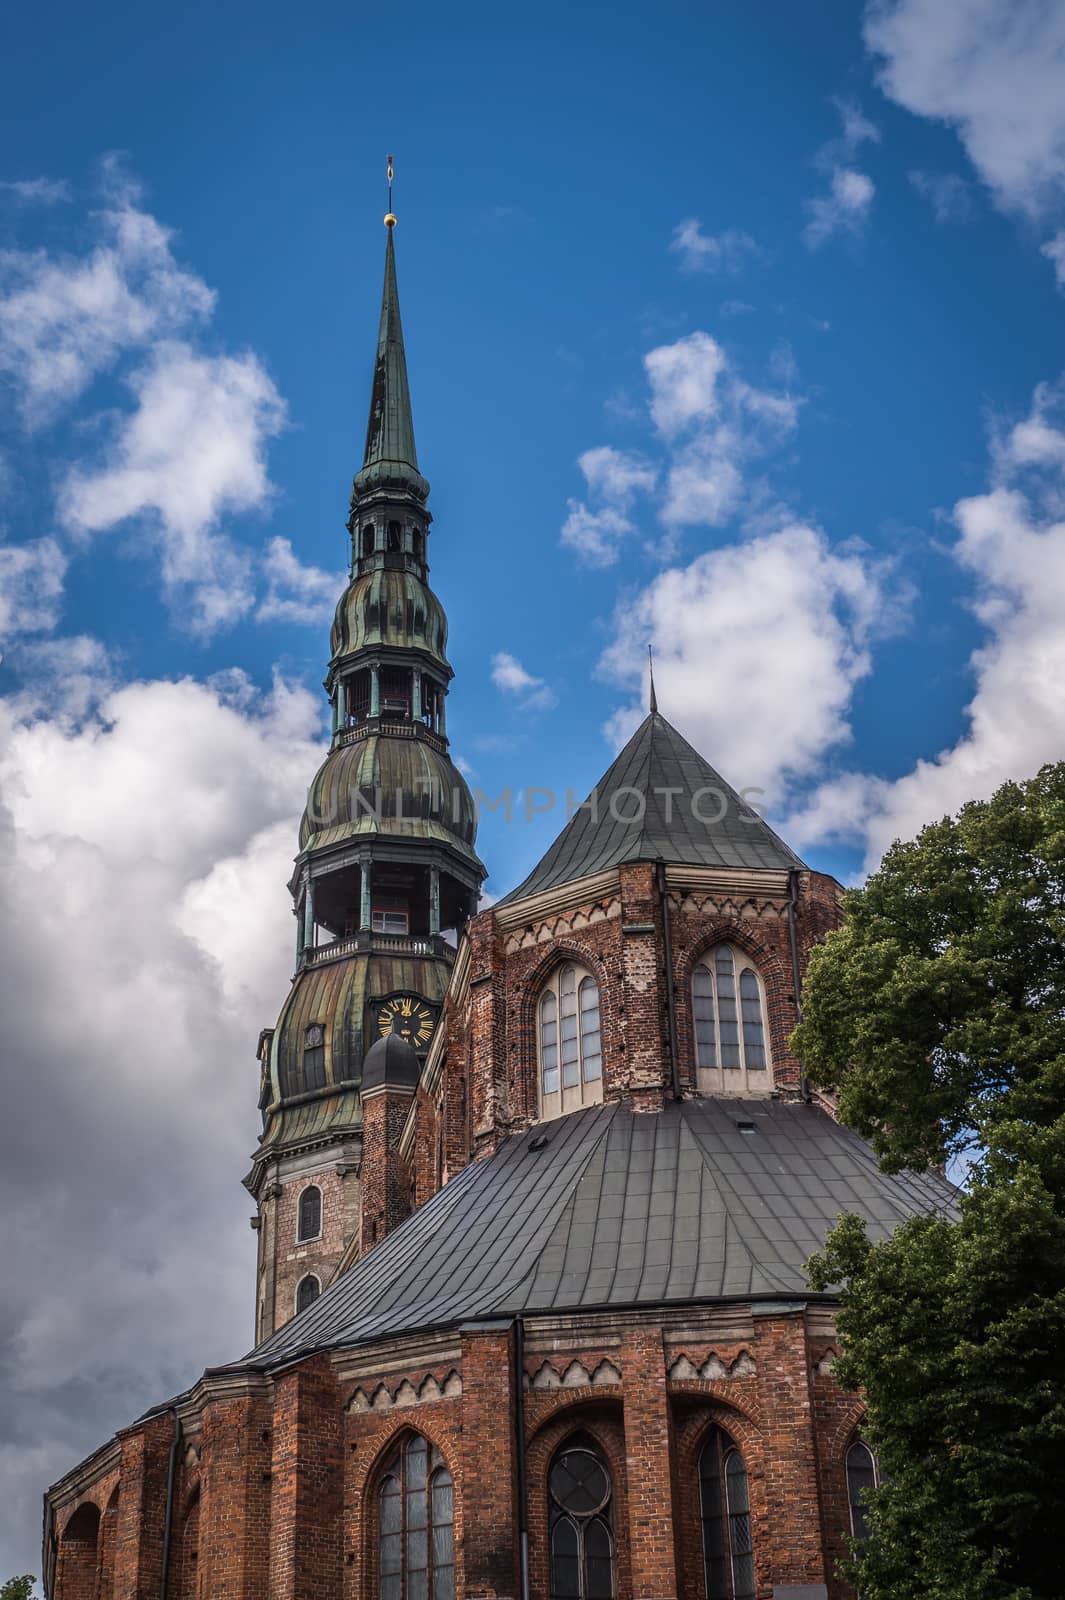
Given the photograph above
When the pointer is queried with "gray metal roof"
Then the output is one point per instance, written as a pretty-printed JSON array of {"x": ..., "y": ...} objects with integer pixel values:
[
  {"x": 618, "y": 1209},
  {"x": 689, "y": 815}
]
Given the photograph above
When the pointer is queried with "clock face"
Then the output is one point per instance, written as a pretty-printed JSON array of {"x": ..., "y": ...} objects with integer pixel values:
[{"x": 409, "y": 1017}]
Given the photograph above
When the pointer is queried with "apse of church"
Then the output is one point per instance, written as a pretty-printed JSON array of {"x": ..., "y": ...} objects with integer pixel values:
[{"x": 535, "y": 1186}]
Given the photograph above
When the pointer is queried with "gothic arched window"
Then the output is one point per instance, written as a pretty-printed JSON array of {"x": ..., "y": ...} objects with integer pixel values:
[
  {"x": 570, "y": 1043},
  {"x": 728, "y": 1010},
  {"x": 862, "y": 1474},
  {"x": 580, "y": 1514},
  {"x": 308, "y": 1291},
  {"x": 725, "y": 1506},
  {"x": 314, "y": 1056},
  {"x": 367, "y": 538},
  {"x": 310, "y": 1214},
  {"x": 416, "y": 1552}
]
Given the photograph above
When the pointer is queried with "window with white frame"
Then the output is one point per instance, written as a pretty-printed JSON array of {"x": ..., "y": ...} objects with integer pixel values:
[
  {"x": 309, "y": 1222},
  {"x": 729, "y": 1016},
  {"x": 569, "y": 1042},
  {"x": 862, "y": 1475}
]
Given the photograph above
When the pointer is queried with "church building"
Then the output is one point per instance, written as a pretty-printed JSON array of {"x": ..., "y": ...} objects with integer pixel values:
[{"x": 534, "y": 1189}]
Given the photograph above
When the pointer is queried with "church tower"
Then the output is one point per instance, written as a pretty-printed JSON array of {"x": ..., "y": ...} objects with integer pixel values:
[{"x": 385, "y": 878}]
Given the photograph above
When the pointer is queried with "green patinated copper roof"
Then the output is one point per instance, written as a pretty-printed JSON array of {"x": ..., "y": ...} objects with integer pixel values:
[
  {"x": 393, "y": 610},
  {"x": 689, "y": 816},
  {"x": 335, "y": 995},
  {"x": 390, "y": 457},
  {"x": 354, "y": 795}
]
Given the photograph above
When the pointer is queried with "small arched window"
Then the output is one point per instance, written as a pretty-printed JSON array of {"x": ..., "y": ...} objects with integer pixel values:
[
  {"x": 728, "y": 1010},
  {"x": 416, "y": 1549},
  {"x": 310, "y": 1214},
  {"x": 580, "y": 1515},
  {"x": 367, "y": 538},
  {"x": 308, "y": 1291},
  {"x": 395, "y": 537},
  {"x": 725, "y": 1505},
  {"x": 314, "y": 1056},
  {"x": 862, "y": 1475},
  {"x": 570, "y": 1042}
]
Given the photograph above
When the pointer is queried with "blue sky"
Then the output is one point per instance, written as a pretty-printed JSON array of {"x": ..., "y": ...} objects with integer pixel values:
[{"x": 736, "y": 328}]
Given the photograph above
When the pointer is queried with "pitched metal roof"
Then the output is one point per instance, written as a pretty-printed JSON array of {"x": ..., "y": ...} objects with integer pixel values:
[
  {"x": 713, "y": 1199},
  {"x": 688, "y": 815}
]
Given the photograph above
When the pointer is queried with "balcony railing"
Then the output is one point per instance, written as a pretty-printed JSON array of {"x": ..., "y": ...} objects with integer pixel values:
[
  {"x": 385, "y": 944},
  {"x": 391, "y": 730}
]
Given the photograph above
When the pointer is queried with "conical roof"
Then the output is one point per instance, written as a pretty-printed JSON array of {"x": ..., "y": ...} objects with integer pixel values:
[
  {"x": 608, "y": 1208},
  {"x": 660, "y": 801},
  {"x": 390, "y": 456}
]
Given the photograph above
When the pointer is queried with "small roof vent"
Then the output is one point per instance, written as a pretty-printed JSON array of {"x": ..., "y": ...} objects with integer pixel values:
[{"x": 540, "y": 1142}]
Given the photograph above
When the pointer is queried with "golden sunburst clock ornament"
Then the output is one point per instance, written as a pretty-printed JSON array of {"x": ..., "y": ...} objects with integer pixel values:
[{"x": 408, "y": 1016}]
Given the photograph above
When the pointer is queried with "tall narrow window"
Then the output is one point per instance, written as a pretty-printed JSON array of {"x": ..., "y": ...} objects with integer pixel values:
[
  {"x": 314, "y": 1057},
  {"x": 580, "y": 1515},
  {"x": 308, "y": 1292},
  {"x": 310, "y": 1214},
  {"x": 728, "y": 1014},
  {"x": 862, "y": 1475},
  {"x": 570, "y": 1042},
  {"x": 728, "y": 1549},
  {"x": 416, "y": 1551},
  {"x": 367, "y": 538}
]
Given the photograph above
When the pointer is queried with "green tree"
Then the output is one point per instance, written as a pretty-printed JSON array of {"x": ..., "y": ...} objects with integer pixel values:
[
  {"x": 938, "y": 1016},
  {"x": 18, "y": 1588}
]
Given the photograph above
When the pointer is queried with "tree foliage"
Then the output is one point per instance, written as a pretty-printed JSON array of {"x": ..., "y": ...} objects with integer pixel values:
[
  {"x": 18, "y": 1588},
  {"x": 938, "y": 1016}
]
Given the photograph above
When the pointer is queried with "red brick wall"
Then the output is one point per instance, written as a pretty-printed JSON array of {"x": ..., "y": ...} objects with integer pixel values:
[
  {"x": 386, "y": 1188},
  {"x": 288, "y": 1476},
  {"x": 292, "y": 1260}
]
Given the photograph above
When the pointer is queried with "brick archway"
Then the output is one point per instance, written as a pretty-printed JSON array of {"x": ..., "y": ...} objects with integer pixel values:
[
  {"x": 603, "y": 1422},
  {"x": 524, "y": 1068},
  {"x": 366, "y": 1534},
  {"x": 777, "y": 983},
  {"x": 77, "y": 1571},
  {"x": 692, "y": 1428}
]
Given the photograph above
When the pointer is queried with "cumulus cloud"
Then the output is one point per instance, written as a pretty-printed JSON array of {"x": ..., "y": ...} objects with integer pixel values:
[
  {"x": 994, "y": 72},
  {"x": 511, "y": 678},
  {"x": 64, "y": 318},
  {"x": 711, "y": 252},
  {"x": 758, "y": 647},
  {"x": 147, "y": 936},
  {"x": 192, "y": 450},
  {"x": 845, "y": 207},
  {"x": 1011, "y": 544},
  {"x": 684, "y": 379},
  {"x": 31, "y": 587},
  {"x": 296, "y": 592},
  {"x": 613, "y": 479}
]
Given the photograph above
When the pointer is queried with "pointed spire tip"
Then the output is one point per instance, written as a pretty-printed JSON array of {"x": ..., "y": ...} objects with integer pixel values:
[{"x": 651, "y": 673}]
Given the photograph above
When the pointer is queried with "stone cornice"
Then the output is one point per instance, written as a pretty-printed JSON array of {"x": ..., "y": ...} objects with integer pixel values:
[
  {"x": 577, "y": 893},
  {"x": 81, "y": 1478}
]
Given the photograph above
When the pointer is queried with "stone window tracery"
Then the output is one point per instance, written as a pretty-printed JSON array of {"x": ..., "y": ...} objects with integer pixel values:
[
  {"x": 729, "y": 1016},
  {"x": 416, "y": 1544},
  {"x": 725, "y": 1506},
  {"x": 309, "y": 1222},
  {"x": 580, "y": 1515},
  {"x": 569, "y": 1042}
]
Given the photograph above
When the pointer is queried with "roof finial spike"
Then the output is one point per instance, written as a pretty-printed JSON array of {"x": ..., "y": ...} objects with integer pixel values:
[
  {"x": 390, "y": 220},
  {"x": 651, "y": 672}
]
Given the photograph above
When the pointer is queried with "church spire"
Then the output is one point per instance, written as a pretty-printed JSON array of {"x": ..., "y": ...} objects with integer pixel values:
[{"x": 390, "y": 456}]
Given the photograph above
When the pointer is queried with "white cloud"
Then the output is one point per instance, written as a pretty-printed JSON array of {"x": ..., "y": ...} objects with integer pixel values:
[
  {"x": 1054, "y": 250},
  {"x": 684, "y": 382},
  {"x": 758, "y": 648},
  {"x": 949, "y": 195},
  {"x": 296, "y": 593},
  {"x": 147, "y": 936},
  {"x": 510, "y": 677},
  {"x": 64, "y": 319},
  {"x": 844, "y": 209},
  {"x": 993, "y": 70},
  {"x": 709, "y": 252},
  {"x": 1011, "y": 542},
  {"x": 37, "y": 191},
  {"x": 192, "y": 450},
  {"x": 31, "y": 587},
  {"x": 614, "y": 478}
]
